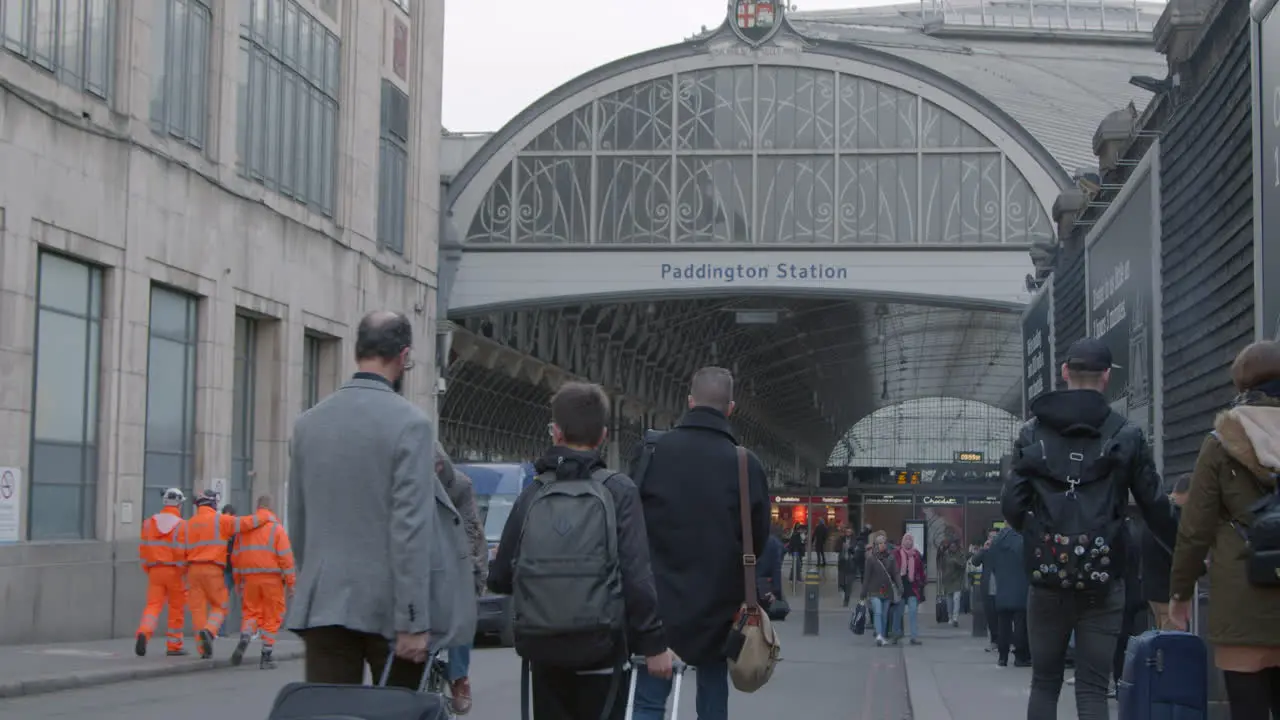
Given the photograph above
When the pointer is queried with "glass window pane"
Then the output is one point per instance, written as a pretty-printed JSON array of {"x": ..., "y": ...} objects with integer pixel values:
[
  {"x": 316, "y": 184},
  {"x": 243, "y": 127},
  {"x": 167, "y": 395},
  {"x": 302, "y": 124},
  {"x": 271, "y": 127},
  {"x": 62, "y": 361},
  {"x": 246, "y": 17},
  {"x": 275, "y": 27},
  {"x": 98, "y": 63},
  {"x": 15, "y": 26},
  {"x": 315, "y": 66},
  {"x": 198, "y": 69},
  {"x": 56, "y": 511},
  {"x": 328, "y": 153},
  {"x": 46, "y": 32},
  {"x": 258, "y": 113},
  {"x": 159, "y": 61},
  {"x": 169, "y": 310},
  {"x": 91, "y": 376},
  {"x": 286, "y": 131},
  {"x": 64, "y": 284},
  {"x": 175, "y": 121},
  {"x": 160, "y": 472},
  {"x": 331, "y": 55},
  {"x": 260, "y": 12},
  {"x": 291, "y": 34},
  {"x": 72, "y": 42}
]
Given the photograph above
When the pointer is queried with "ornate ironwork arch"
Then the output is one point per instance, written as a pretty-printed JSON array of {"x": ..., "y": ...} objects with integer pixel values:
[{"x": 804, "y": 148}]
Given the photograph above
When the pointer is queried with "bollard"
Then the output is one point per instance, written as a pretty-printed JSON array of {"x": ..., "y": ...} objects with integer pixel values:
[
  {"x": 812, "y": 583},
  {"x": 977, "y": 608}
]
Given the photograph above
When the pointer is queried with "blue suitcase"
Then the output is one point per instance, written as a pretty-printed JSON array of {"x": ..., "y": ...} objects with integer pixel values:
[{"x": 1166, "y": 677}]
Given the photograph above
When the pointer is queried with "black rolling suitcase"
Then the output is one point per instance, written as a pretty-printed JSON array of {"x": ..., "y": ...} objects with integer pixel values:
[{"x": 319, "y": 701}]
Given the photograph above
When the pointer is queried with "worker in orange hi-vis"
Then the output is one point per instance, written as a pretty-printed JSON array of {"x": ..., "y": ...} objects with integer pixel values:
[
  {"x": 205, "y": 538},
  {"x": 165, "y": 561},
  {"x": 262, "y": 562}
]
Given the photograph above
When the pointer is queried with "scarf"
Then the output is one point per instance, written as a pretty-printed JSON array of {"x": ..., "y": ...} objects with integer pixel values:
[
  {"x": 907, "y": 561},
  {"x": 1267, "y": 391}
]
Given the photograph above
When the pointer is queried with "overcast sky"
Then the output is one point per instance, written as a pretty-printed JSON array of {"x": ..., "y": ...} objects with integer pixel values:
[{"x": 501, "y": 55}]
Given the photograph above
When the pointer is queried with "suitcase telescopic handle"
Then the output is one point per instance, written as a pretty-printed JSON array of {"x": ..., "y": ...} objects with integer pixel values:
[
  {"x": 677, "y": 666},
  {"x": 432, "y": 655}
]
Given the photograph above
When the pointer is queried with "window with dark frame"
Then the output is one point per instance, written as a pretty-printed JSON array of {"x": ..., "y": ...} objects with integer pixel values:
[
  {"x": 180, "y": 69},
  {"x": 287, "y": 102},
  {"x": 173, "y": 341},
  {"x": 312, "y": 346},
  {"x": 73, "y": 39},
  {"x": 243, "y": 406},
  {"x": 64, "y": 428},
  {"x": 393, "y": 168}
]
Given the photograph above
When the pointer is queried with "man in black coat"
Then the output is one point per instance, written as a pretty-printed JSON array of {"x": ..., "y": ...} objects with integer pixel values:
[{"x": 692, "y": 512}]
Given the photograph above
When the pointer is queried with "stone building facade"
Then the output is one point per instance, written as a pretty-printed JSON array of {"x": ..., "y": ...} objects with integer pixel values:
[{"x": 198, "y": 201}]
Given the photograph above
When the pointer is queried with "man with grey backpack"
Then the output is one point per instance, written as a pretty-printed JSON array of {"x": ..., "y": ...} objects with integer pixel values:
[{"x": 574, "y": 557}]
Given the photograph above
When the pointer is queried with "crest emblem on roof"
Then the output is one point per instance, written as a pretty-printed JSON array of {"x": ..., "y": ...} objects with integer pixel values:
[{"x": 755, "y": 21}]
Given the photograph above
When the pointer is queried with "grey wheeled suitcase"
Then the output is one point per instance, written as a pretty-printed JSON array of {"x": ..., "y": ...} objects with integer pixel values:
[{"x": 321, "y": 701}]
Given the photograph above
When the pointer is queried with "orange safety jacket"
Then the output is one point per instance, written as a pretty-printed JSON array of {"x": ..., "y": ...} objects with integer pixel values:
[
  {"x": 263, "y": 551},
  {"x": 161, "y": 545},
  {"x": 206, "y": 534}
]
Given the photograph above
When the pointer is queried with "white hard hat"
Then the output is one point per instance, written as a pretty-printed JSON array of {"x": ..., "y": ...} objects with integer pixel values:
[{"x": 174, "y": 496}]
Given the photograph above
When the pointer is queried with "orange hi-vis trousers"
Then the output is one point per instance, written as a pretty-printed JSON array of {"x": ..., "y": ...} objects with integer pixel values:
[
  {"x": 263, "y": 606},
  {"x": 165, "y": 584},
  {"x": 207, "y": 585}
]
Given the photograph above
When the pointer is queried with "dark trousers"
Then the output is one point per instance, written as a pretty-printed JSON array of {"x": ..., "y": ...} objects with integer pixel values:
[
  {"x": 339, "y": 655},
  {"x": 992, "y": 617},
  {"x": 1129, "y": 626},
  {"x": 1052, "y": 615},
  {"x": 821, "y": 553},
  {"x": 1254, "y": 696},
  {"x": 1012, "y": 632},
  {"x": 566, "y": 695},
  {"x": 797, "y": 566}
]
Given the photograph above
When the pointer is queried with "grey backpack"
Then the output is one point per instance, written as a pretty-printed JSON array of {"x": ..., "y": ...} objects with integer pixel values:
[{"x": 567, "y": 602}]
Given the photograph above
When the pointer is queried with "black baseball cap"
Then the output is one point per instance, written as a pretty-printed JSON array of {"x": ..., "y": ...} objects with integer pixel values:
[{"x": 1089, "y": 355}]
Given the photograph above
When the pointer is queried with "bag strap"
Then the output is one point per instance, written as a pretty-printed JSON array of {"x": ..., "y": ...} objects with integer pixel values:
[
  {"x": 748, "y": 542},
  {"x": 647, "y": 450}
]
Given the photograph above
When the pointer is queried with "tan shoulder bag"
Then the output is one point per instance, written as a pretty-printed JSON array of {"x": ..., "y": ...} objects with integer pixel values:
[{"x": 757, "y": 647}]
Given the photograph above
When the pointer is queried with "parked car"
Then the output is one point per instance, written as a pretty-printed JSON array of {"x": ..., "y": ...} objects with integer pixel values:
[{"x": 496, "y": 485}]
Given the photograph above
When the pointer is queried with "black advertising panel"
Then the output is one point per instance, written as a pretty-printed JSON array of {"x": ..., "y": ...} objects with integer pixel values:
[
  {"x": 1267, "y": 67},
  {"x": 1037, "y": 348},
  {"x": 1120, "y": 304}
]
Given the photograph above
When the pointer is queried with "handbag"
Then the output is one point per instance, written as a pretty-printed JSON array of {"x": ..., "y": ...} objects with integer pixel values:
[
  {"x": 858, "y": 620},
  {"x": 895, "y": 587},
  {"x": 752, "y": 647}
]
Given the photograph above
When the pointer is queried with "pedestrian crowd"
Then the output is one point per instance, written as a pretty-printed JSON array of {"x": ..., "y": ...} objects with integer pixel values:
[
  {"x": 673, "y": 563},
  {"x": 597, "y": 560}
]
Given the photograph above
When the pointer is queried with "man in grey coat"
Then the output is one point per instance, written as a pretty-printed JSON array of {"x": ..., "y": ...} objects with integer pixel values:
[{"x": 362, "y": 496}]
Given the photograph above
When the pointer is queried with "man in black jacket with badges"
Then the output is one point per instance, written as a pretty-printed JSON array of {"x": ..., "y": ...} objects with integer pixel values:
[{"x": 1075, "y": 465}]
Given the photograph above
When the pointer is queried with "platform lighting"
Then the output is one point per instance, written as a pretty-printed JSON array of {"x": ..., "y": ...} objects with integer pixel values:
[{"x": 756, "y": 317}]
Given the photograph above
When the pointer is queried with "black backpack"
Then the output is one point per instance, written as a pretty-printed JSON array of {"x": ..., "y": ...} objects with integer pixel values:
[
  {"x": 1261, "y": 536},
  {"x": 1074, "y": 534},
  {"x": 567, "y": 602}
]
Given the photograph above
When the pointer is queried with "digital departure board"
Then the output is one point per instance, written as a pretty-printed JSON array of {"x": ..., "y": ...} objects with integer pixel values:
[{"x": 968, "y": 456}]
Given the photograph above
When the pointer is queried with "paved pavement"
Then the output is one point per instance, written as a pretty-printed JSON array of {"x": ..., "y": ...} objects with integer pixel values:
[
  {"x": 39, "y": 669},
  {"x": 832, "y": 674},
  {"x": 952, "y": 677}
]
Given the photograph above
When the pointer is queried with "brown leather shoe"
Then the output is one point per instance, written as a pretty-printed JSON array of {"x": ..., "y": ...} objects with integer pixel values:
[{"x": 461, "y": 691}]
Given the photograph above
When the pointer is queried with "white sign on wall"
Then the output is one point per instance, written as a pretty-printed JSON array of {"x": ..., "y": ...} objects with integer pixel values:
[
  {"x": 10, "y": 504},
  {"x": 219, "y": 487}
]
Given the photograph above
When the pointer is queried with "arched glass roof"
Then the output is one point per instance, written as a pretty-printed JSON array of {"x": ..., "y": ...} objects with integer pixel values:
[
  {"x": 926, "y": 430},
  {"x": 759, "y": 153}
]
